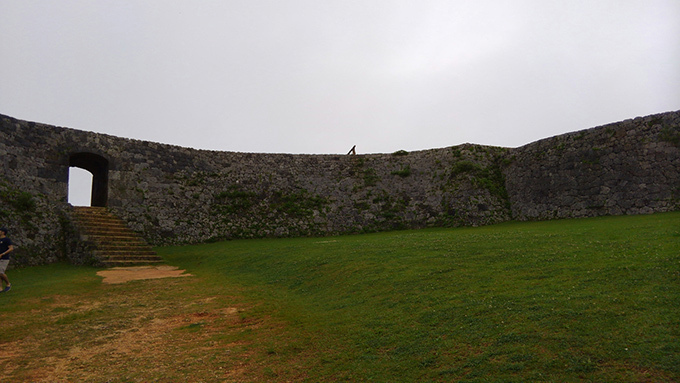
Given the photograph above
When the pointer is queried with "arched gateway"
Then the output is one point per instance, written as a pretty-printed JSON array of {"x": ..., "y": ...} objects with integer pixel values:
[{"x": 99, "y": 167}]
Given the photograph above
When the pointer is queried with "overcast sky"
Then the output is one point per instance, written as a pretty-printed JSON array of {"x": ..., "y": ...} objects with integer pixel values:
[{"x": 321, "y": 76}]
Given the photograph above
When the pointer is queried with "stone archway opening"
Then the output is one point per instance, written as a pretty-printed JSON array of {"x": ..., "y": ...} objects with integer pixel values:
[
  {"x": 98, "y": 166},
  {"x": 79, "y": 187}
]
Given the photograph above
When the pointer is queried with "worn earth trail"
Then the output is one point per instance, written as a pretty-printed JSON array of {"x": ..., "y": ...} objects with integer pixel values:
[
  {"x": 142, "y": 324},
  {"x": 126, "y": 274}
]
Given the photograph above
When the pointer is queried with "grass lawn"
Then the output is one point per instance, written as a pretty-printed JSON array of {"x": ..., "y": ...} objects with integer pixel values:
[{"x": 560, "y": 301}]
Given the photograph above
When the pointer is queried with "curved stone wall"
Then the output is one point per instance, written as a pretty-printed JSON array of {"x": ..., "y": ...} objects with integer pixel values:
[
  {"x": 629, "y": 167},
  {"x": 176, "y": 195}
]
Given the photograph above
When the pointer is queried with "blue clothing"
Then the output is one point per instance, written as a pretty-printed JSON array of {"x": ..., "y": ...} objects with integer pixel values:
[{"x": 5, "y": 243}]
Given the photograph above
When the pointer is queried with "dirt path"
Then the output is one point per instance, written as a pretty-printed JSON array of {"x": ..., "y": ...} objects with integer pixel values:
[
  {"x": 165, "y": 330},
  {"x": 125, "y": 274},
  {"x": 160, "y": 330}
]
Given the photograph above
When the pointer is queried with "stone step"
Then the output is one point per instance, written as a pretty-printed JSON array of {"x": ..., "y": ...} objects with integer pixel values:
[
  {"x": 125, "y": 246},
  {"x": 102, "y": 231},
  {"x": 114, "y": 234},
  {"x": 91, "y": 210},
  {"x": 100, "y": 224},
  {"x": 128, "y": 253},
  {"x": 120, "y": 242},
  {"x": 115, "y": 243}
]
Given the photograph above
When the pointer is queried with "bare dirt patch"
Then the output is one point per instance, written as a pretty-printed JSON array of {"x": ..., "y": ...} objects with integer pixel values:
[
  {"x": 125, "y": 274},
  {"x": 152, "y": 330},
  {"x": 157, "y": 331}
]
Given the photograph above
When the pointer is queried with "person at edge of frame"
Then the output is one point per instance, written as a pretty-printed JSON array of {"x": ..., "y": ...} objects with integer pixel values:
[{"x": 6, "y": 247}]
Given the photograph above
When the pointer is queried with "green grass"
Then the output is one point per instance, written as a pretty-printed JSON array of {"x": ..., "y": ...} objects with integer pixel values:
[
  {"x": 560, "y": 301},
  {"x": 593, "y": 299}
]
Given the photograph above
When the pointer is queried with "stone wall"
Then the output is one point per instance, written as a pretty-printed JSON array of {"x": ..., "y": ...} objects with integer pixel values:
[
  {"x": 629, "y": 167},
  {"x": 206, "y": 195},
  {"x": 174, "y": 195}
]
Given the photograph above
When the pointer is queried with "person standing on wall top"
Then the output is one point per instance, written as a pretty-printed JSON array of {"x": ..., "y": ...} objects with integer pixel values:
[{"x": 6, "y": 247}]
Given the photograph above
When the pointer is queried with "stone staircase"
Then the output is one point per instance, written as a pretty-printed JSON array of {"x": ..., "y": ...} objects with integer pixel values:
[{"x": 114, "y": 243}]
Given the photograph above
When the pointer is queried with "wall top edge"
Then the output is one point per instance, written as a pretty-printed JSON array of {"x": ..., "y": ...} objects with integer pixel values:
[{"x": 421, "y": 151}]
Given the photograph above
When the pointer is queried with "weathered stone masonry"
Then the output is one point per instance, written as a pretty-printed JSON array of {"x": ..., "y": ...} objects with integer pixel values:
[
  {"x": 629, "y": 167},
  {"x": 174, "y": 195}
]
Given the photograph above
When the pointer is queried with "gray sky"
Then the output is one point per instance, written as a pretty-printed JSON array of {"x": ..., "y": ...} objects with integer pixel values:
[{"x": 320, "y": 76}]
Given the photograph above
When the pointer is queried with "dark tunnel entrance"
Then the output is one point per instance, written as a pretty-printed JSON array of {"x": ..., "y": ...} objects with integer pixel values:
[{"x": 99, "y": 167}]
